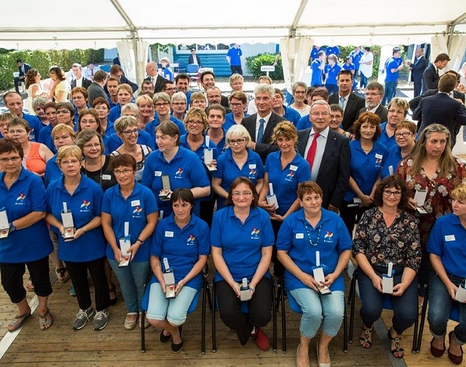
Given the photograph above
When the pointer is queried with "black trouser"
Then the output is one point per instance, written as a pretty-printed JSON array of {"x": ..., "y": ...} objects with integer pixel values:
[
  {"x": 78, "y": 274},
  {"x": 351, "y": 214},
  {"x": 236, "y": 69}
]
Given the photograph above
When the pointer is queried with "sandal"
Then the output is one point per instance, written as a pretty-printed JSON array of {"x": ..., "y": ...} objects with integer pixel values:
[
  {"x": 115, "y": 298},
  {"x": 45, "y": 320},
  {"x": 365, "y": 340},
  {"x": 18, "y": 321},
  {"x": 397, "y": 349},
  {"x": 62, "y": 274},
  {"x": 29, "y": 286}
]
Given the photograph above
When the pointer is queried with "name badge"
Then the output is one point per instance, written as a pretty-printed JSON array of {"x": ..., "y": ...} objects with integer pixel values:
[
  {"x": 135, "y": 203},
  {"x": 450, "y": 238},
  {"x": 169, "y": 234},
  {"x": 378, "y": 156},
  {"x": 252, "y": 166},
  {"x": 157, "y": 173},
  {"x": 293, "y": 167},
  {"x": 299, "y": 236},
  {"x": 106, "y": 177}
]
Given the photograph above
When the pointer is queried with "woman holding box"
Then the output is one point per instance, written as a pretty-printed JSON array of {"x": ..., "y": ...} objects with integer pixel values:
[{"x": 387, "y": 244}]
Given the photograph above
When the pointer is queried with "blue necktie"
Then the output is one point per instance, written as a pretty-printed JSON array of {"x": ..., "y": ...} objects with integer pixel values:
[
  {"x": 261, "y": 131},
  {"x": 342, "y": 102}
]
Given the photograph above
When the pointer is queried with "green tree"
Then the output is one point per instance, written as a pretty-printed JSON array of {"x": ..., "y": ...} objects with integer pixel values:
[{"x": 254, "y": 63}]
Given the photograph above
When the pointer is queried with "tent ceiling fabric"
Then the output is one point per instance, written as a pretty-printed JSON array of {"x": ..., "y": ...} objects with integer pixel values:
[{"x": 66, "y": 24}]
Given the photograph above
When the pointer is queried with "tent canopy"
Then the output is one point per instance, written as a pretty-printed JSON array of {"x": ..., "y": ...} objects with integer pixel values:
[{"x": 66, "y": 24}]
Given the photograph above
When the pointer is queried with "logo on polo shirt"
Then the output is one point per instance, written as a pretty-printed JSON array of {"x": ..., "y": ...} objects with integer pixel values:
[
  {"x": 255, "y": 233},
  {"x": 289, "y": 176},
  {"x": 252, "y": 173},
  {"x": 20, "y": 199},
  {"x": 179, "y": 173},
  {"x": 191, "y": 240},
  {"x": 328, "y": 236},
  {"x": 85, "y": 206},
  {"x": 137, "y": 212}
]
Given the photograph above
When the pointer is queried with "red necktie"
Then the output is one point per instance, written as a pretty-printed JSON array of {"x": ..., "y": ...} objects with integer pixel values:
[{"x": 311, "y": 154}]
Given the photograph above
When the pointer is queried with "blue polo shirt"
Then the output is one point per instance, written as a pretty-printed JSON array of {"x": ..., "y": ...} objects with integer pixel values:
[
  {"x": 235, "y": 56},
  {"x": 110, "y": 129},
  {"x": 330, "y": 237},
  {"x": 392, "y": 63},
  {"x": 150, "y": 127},
  {"x": 356, "y": 56},
  {"x": 332, "y": 74},
  {"x": 111, "y": 104},
  {"x": 184, "y": 170},
  {"x": 52, "y": 171},
  {"x": 45, "y": 137},
  {"x": 134, "y": 210},
  {"x": 285, "y": 182},
  {"x": 385, "y": 139},
  {"x": 365, "y": 168},
  {"x": 241, "y": 243},
  {"x": 84, "y": 204},
  {"x": 304, "y": 123},
  {"x": 35, "y": 124},
  {"x": 115, "y": 113},
  {"x": 316, "y": 80},
  {"x": 315, "y": 52},
  {"x": 393, "y": 159},
  {"x": 349, "y": 67},
  {"x": 200, "y": 151},
  {"x": 168, "y": 73},
  {"x": 447, "y": 240},
  {"x": 228, "y": 171},
  {"x": 182, "y": 247},
  {"x": 26, "y": 195},
  {"x": 230, "y": 120},
  {"x": 114, "y": 142},
  {"x": 291, "y": 115},
  {"x": 333, "y": 50}
]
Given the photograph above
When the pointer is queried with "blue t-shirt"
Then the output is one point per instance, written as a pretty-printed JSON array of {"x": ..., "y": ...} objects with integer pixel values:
[
  {"x": 316, "y": 80},
  {"x": 332, "y": 74},
  {"x": 304, "y": 123},
  {"x": 385, "y": 139},
  {"x": 230, "y": 120},
  {"x": 235, "y": 56},
  {"x": 168, "y": 73},
  {"x": 241, "y": 243},
  {"x": 45, "y": 137},
  {"x": 365, "y": 168},
  {"x": 330, "y": 237},
  {"x": 291, "y": 115},
  {"x": 285, "y": 182},
  {"x": 393, "y": 159},
  {"x": 447, "y": 240},
  {"x": 349, "y": 67},
  {"x": 150, "y": 128},
  {"x": 333, "y": 50},
  {"x": 84, "y": 204},
  {"x": 134, "y": 210},
  {"x": 184, "y": 170},
  {"x": 35, "y": 124},
  {"x": 392, "y": 63},
  {"x": 228, "y": 171},
  {"x": 181, "y": 247},
  {"x": 115, "y": 113},
  {"x": 52, "y": 171},
  {"x": 315, "y": 52},
  {"x": 26, "y": 195},
  {"x": 114, "y": 142},
  {"x": 110, "y": 129},
  {"x": 356, "y": 55}
]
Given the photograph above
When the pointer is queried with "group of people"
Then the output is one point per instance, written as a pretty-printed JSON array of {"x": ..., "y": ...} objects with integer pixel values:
[{"x": 131, "y": 190}]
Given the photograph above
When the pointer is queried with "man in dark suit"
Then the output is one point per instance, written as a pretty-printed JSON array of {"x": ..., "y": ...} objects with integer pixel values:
[
  {"x": 346, "y": 99},
  {"x": 207, "y": 80},
  {"x": 96, "y": 89},
  {"x": 330, "y": 168},
  {"x": 117, "y": 73},
  {"x": 374, "y": 94},
  {"x": 431, "y": 73},
  {"x": 152, "y": 75},
  {"x": 417, "y": 70},
  {"x": 260, "y": 125},
  {"x": 23, "y": 68},
  {"x": 79, "y": 80},
  {"x": 442, "y": 108},
  {"x": 194, "y": 59}
]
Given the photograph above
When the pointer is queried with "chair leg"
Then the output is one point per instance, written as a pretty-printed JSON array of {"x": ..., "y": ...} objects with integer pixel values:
[
  {"x": 274, "y": 317},
  {"x": 214, "y": 337},
  {"x": 345, "y": 331},
  {"x": 203, "y": 316},
  {"x": 282, "y": 298},
  {"x": 352, "y": 297},
  {"x": 143, "y": 332},
  {"x": 423, "y": 319}
]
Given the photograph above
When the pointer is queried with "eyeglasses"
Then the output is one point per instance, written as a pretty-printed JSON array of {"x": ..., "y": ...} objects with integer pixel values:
[
  {"x": 71, "y": 162},
  {"x": 179, "y": 103},
  {"x": 394, "y": 193},
  {"x": 129, "y": 132},
  {"x": 102, "y": 108},
  {"x": 237, "y": 194},
  {"x": 237, "y": 141},
  {"x": 12, "y": 160},
  {"x": 404, "y": 135},
  {"x": 18, "y": 131},
  {"x": 162, "y": 104},
  {"x": 122, "y": 172},
  {"x": 95, "y": 145},
  {"x": 192, "y": 122},
  {"x": 63, "y": 111},
  {"x": 319, "y": 113}
]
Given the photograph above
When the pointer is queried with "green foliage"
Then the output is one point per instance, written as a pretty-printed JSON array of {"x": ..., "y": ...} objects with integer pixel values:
[
  {"x": 43, "y": 60},
  {"x": 254, "y": 63}
]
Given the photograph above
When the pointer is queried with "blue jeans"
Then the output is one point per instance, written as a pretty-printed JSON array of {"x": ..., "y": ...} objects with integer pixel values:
[
  {"x": 326, "y": 310},
  {"x": 132, "y": 279},
  {"x": 404, "y": 306},
  {"x": 390, "y": 91},
  {"x": 174, "y": 310},
  {"x": 440, "y": 304},
  {"x": 363, "y": 81}
]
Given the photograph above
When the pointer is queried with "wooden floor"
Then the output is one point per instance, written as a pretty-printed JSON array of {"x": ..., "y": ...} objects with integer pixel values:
[{"x": 114, "y": 346}]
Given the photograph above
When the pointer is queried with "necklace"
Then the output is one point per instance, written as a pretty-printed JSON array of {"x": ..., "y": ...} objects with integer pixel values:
[{"x": 308, "y": 233}]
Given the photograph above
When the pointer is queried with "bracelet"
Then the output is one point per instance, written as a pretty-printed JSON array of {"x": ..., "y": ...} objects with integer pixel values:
[
  {"x": 141, "y": 241},
  {"x": 252, "y": 289}
]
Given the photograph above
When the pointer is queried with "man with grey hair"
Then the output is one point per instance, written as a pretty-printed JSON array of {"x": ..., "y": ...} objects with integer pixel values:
[
  {"x": 374, "y": 94},
  {"x": 152, "y": 75},
  {"x": 261, "y": 124},
  {"x": 328, "y": 155}
]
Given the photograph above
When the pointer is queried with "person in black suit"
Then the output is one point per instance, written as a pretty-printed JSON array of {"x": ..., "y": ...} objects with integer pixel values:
[
  {"x": 331, "y": 166},
  {"x": 152, "y": 75},
  {"x": 79, "y": 80},
  {"x": 23, "y": 68},
  {"x": 260, "y": 125},
  {"x": 96, "y": 89},
  {"x": 417, "y": 70},
  {"x": 117, "y": 72},
  {"x": 442, "y": 108},
  {"x": 207, "y": 80},
  {"x": 194, "y": 59},
  {"x": 346, "y": 99},
  {"x": 431, "y": 73},
  {"x": 374, "y": 94}
]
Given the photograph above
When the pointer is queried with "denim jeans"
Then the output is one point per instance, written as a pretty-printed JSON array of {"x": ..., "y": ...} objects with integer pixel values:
[
  {"x": 404, "y": 307},
  {"x": 390, "y": 91},
  {"x": 326, "y": 310},
  {"x": 174, "y": 310},
  {"x": 440, "y": 304},
  {"x": 132, "y": 279},
  {"x": 363, "y": 81}
]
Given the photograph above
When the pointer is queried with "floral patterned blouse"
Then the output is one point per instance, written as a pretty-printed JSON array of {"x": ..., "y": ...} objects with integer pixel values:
[
  {"x": 398, "y": 243},
  {"x": 438, "y": 201}
]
